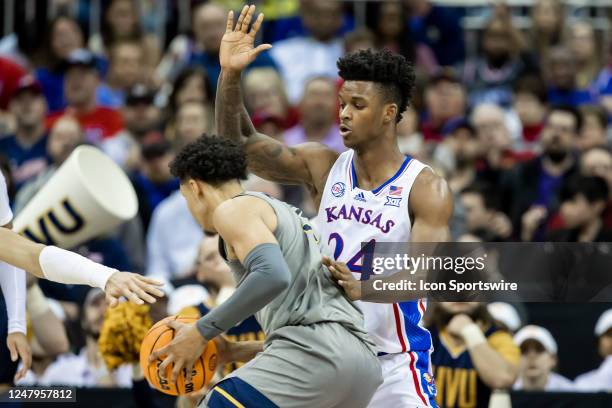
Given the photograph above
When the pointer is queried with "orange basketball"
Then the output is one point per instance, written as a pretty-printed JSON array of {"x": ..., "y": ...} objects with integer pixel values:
[{"x": 159, "y": 336}]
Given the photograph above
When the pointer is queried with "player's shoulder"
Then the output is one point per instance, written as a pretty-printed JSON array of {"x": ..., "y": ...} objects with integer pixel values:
[
  {"x": 241, "y": 209},
  {"x": 430, "y": 192}
]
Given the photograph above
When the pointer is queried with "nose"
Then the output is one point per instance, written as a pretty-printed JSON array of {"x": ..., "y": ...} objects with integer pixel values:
[{"x": 345, "y": 113}]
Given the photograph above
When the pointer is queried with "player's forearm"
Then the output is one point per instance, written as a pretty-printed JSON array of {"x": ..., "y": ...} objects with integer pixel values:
[
  {"x": 12, "y": 281},
  {"x": 245, "y": 351},
  {"x": 231, "y": 116},
  {"x": 20, "y": 252}
]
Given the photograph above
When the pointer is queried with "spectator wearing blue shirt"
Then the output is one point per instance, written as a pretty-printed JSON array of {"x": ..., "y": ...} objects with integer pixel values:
[
  {"x": 27, "y": 148},
  {"x": 439, "y": 28},
  {"x": 125, "y": 69},
  {"x": 563, "y": 89}
]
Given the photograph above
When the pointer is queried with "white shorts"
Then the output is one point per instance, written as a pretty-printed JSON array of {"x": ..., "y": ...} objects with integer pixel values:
[{"x": 407, "y": 382}]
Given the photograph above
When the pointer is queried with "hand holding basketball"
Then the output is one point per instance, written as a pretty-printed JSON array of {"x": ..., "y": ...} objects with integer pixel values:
[{"x": 237, "y": 46}]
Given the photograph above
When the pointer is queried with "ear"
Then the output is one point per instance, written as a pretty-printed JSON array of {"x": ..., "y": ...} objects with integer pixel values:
[
  {"x": 194, "y": 187},
  {"x": 390, "y": 113}
]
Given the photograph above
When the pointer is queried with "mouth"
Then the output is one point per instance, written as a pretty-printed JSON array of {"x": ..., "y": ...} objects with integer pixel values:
[{"x": 345, "y": 130}]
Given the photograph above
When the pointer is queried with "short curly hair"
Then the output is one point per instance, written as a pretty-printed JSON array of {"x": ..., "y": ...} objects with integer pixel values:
[
  {"x": 211, "y": 159},
  {"x": 391, "y": 71}
]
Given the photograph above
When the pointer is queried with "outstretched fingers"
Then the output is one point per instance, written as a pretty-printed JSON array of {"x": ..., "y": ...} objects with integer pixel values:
[
  {"x": 241, "y": 17},
  {"x": 247, "y": 19},
  {"x": 229, "y": 27},
  {"x": 256, "y": 25}
]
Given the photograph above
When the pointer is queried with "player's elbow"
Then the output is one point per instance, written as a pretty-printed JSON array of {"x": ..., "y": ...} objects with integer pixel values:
[
  {"x": 281, "y": 282},
  {"x": 503, "y": 379}
]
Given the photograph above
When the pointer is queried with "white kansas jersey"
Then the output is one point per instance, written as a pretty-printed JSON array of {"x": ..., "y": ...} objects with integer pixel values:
[
  {"x": 5, "y": 210},
  {"x": 349, "y": 216}
]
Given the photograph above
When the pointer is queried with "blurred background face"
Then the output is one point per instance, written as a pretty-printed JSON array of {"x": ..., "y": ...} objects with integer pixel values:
[
  {"x": 562, "y": 69},
  {"x": 29, "y": 108},
  {"x": 546, "y": 16},
  {"x": 605, "y": 344},
  {"x": 535, "y": 362},
  {"x": 578, "y": 211},
  {"x": 489, "y": 122},
  {"x": 210, "y": 263},
  {"x": 65, "y": 38},
  {"x": 319, "y": 103},
  {"x": 465, "y": 146},
  {"x": 592, "y": 133},
  {"x": 265, "y": 95},
  {"x": 80, "y": 85},
  {"x": 582, "y": 41},
  {"x": 559, "y": 134},
  {"x": 390, "y": 22},
  {"x": 476, "y": 215},
  {"x": 141, "y": 117},
  {"x": 126, "y": 64},
  {"x": 459, "y": 307},
  {"x": 93, "y": 315},
  {"x": 122, "y": 17},
  {"x": 157, "y": 169},
  {"x": 322, "y": 18},
  {"x": 445, "y": 100},
  {"x": 597, "y": 162},
  {"x": 191, "y": 122},
  {"x": 497, "y": 42},
  {"x": 529, "y": 108},
  {"x": 193, "y": 90},
  {"x": 65, "y": 136},
  {"x": 209, "y": 26}
]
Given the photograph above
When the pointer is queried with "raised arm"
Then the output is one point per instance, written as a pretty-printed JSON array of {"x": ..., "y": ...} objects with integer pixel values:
[{"x": 306, "y": 164}]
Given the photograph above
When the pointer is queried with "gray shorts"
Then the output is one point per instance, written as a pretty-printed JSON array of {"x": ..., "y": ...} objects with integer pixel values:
[{"x": 321, "y": 365}]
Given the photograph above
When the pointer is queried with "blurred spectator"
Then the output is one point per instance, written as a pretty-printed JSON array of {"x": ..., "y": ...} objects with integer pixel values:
[
  {"x": 193, "y": 119},
  {"x": 388, "y": 22},
  {"x": 409, "y": 139},
  {"x": 87, "y": 369},
  {"x": 142, "y": 125},
  {"x": 481, "y": 210},
  {"x": 445, "y": 100},
  {"x": 171, "y": 255},
  {"x": 359, "y": 39},
  {"x": 323, "y": 47},
  {"x": 600, "y": 379},
  {"x": 470, "y": 351},
  {"x": 584, "y": 46},
  {"x": 318, "y": 122},
  {"x": 439, "y": 28},
  {"x": 593, "y": 131},
  {"x": 10, "y": 75},
  {"x": 191, "y": 85},
  {"x": 213, "y": 272},
  {"x": 456, "y": 155},
  {"x": 531, "y": 189},
  {"x": 538, "y": 360},
  {"x": 121, "y": 22},
  {"x": 505, "y": 316},
  {"x": 153, "y": 182},
  {"x": 547, "y": 27},
  {"x": 530, "y": 105},
  {"x": 26, "y": 149},
  {"x": 489, "y": 78},
  {"x": 563, "y": 89},
  {"x": 602, "y": 86},
  {"x": 186, "y": 296},
  {"x": 125, "y": 70},
  {"x": 64, "y": 37},
  {"x": 265, "y": 97},
  {"x": 81, "y": 80},
  {"x": 64, "y": 137},
  {"x": 585, "y": 201}
]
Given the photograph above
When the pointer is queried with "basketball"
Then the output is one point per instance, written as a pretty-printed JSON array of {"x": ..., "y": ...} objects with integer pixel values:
[{"x": 159, "y": 336}]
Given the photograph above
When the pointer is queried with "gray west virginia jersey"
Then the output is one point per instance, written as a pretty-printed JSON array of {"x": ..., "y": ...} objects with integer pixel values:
[{"x": 316, "y": 352}]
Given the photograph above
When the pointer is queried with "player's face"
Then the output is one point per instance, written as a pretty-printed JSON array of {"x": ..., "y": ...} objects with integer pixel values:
[
  {"x": 194, "y": 194},
  {"x": 362, "y": 113},
  {"x": 535, "y": 360}
]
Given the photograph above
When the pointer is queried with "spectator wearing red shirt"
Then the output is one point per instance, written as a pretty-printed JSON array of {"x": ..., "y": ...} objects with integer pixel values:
[
  {"x": 10, "y": 74},
  {"x": 80, "y": 83}
]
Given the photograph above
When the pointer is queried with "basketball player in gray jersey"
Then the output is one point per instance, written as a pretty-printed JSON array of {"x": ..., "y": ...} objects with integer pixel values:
[{"x": 316, "y": 352}]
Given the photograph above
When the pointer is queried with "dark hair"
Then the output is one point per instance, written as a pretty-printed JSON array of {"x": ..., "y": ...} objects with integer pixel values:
[
  {"x": 567, "y": 109},
  {"x": 486, "y": 191},
  {"x": 211, "y": 159},
  {"x": 594, "y": 110},
  {"x": 532, "y": 84},
  {"x": 51, "y": 60},
  {"x": 405, "y": 42},
  {"x": 593, "y": 188},
  {"x": 358, "y": 35},
  {"x": 392, "y": 72},
  {"x": 155, "y": 150},
  {"x": 181, "y": 79}
]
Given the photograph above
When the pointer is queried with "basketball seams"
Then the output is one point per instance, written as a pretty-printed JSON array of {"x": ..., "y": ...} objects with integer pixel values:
[{"x": 151, "y": 350}]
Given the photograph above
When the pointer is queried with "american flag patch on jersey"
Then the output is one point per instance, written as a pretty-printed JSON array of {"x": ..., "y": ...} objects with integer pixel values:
[{"x": 395, "y": 190}]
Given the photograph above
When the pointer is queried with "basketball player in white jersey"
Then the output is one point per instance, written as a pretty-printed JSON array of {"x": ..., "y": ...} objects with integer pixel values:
[{"x": 371, "y": 193}]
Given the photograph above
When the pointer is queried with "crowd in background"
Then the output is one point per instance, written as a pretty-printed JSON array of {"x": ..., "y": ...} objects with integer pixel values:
[{"x": 520, "y": 130}]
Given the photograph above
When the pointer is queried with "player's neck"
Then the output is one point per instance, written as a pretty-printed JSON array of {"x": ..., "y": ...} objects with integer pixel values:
[{"x": 377, "y": 164}]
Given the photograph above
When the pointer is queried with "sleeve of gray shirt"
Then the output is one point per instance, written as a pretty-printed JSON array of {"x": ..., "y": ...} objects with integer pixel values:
[{"x": 268, "y": 276}]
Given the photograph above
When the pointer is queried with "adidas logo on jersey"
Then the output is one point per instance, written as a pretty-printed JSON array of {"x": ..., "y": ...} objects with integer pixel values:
[{"x": 360, "y": 197}]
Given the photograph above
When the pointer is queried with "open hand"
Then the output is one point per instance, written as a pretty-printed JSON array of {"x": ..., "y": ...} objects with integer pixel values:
[
  {"x": 18, "y": 345},
  {"x": 136, "y": 288},
  {"x": 344, "y": 277},
  {"x": 237, "y": 45}
]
